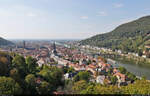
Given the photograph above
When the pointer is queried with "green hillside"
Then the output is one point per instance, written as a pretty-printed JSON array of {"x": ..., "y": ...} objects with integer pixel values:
[
  {"x": 4, "y": 42},
  {"x": 130, "y": 36}
]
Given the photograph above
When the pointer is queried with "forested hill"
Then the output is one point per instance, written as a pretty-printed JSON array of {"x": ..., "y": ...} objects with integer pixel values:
[
  {"x": 128, "y": 37},
  {"x": 4, "y": 41}
]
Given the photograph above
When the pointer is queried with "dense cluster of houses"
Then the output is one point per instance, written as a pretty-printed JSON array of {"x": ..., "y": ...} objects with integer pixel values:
[
  {"x": 81, "y": 62},
  {"x": 98, "y": 71},
  {"x": 76, "y": 59}
]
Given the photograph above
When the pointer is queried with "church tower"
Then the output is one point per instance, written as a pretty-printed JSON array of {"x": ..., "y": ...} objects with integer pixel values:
[
  {"x": 54, "y": 48},
  {"x": 24, "y": 44}
]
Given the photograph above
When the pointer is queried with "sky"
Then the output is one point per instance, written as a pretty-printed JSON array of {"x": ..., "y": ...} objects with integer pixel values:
[{"x": 66, "y": 19}]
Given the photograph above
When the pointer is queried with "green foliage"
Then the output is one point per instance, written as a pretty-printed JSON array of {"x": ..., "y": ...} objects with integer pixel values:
[
  {"x": 80, "y": 85},
  {"x": 83, "y": 75},
  {"x": 44, "y": 88},
  {"x": 19, "y": 63},
  {"x": 8, "y": 86},
  {"x": 122, "y": 70},
  {"x": 31, "y": 64},
  {"x": 30, "y": 79},
  {"x": 139, "y": 87},
  {"x": 140, "y": 52},
  {"x": 5, "y": 63},
  {"x": 127, "y": 37},
  {"x": 143, "y": 78},
  {"x": 109, "y": 73},
  {"x": 106, "y": 89},
  {"x": 113, "y": 79},
  {"x": 131, "y": 76},
  {"x": 68, "y": 86},
  {"x": 51, "y": 80},
  {"x": 4, "y": 66},
  {"x": 71, "y": 70},
  {"x": 65, "y": 69},
  {"x": 52, "y": 75},
  {"x": 15, "y": 75},
  {"x": 46, "y": 74},
  {"x": 23, "y": 75},
  {"x": 88, "y": 90},
  {"x": 31, "y": 84}
]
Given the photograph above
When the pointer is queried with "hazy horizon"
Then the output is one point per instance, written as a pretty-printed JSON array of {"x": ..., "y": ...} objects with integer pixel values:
[
  {"x": 42, "y": 39},
  {"x": 66, "y": 19}
]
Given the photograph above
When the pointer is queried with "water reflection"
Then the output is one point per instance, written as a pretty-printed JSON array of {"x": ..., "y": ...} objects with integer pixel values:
[{"x": 133, "y": 68}]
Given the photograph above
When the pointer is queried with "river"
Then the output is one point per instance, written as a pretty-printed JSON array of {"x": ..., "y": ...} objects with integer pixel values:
[{"x": 133, "y": 68}]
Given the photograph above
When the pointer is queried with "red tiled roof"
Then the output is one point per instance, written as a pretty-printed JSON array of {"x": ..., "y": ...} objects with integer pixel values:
[
  {"x": 119, "y": 74},
  {"x": 92, "y": 66}
]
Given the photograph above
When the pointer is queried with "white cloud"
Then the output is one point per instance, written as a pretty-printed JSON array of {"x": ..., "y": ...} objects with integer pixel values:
[
  {"x": 102, "y": 13},
  {"x": 84, "y": 17},
  {"x": 118, "y": 5},
  {"x": 31, "y": 15}
]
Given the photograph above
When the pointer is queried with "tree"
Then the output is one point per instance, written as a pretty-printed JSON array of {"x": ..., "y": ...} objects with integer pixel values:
[
  {"x": 143, "y": 78},
  {"x": 85, "y": 75},
  {"x": 52, "y": 75},
  {"x": 15, "y": 75},
  {"x": 4, "y": 66},
  {"x": 113, "y": 79},
  {"x": 8, "y": 86},
  {"x": 110, "y": 71},
  {"x": 140, "y": 52},
  {"x": 113, "y": 48},
  {"x": 88, "y": 90},
  {"x": 68, "y": 86},
  {"x": 139, "y": 87},
  {"x": 46, "y": 74},
  {"x": 122, "y": 70},
  {"x": 71, "y": 69},
  {"x": 44, "y": 88},
  {"x": 19, "y": 63},
  {"x": 31, "y": 83},
  {"x": 111, "y": 89},
  {"x": 79, "y": 86},
  {"x": 131, "y": 76},
  {"x": 65, "y": 69},
  {"x": 30, "y": 79},
  {"x": 57, "y": 77},
  {"x": 31, "y": 64}
]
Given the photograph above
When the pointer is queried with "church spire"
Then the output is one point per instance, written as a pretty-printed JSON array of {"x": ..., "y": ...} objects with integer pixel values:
[{"x": 54, "y": 48}]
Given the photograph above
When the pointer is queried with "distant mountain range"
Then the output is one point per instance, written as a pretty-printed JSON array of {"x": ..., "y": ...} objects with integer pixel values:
[
  {"x": 5, "y": 42},
  {"x": 132, "y": 36}
]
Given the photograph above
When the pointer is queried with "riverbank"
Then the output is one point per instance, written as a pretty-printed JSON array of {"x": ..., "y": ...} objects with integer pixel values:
[
  {"x": 137, "y": 65},
  {"x": 139, "y": 71},
  {"x": 128, "y": 58},
  {"x": 143, "y": 62}
]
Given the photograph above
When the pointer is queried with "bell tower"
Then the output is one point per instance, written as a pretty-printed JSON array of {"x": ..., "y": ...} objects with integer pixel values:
[{"x": 54, "y": 48}]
